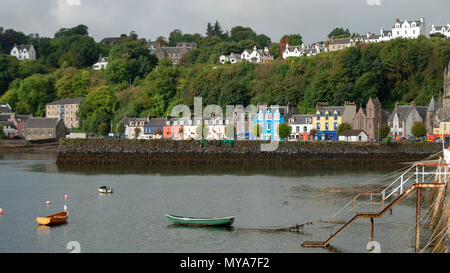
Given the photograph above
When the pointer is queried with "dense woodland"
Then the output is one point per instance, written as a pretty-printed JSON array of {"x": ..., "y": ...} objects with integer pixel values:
[{"x": 135, "y": 84}]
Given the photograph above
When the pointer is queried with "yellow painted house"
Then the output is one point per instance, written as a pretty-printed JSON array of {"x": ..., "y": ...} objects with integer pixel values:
[
  {"x": 444, "y": 127},
  {"x": 326, "y": 121}
]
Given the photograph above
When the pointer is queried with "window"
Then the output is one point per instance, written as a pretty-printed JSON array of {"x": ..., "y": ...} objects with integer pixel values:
[
  {"x": 305, "y": 129},
  {"x": 326, "y": 125},
  {"x": 335, "y": 116},
  {"x": 335, "y": 126},
  {"x": 318, "y": 116},
  {"x": 268, "y": 126},
  {"x": 326, "y": 116},
  {"x": 318, "y": 125}
]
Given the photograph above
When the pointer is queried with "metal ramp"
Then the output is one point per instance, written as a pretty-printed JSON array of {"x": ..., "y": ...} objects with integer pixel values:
[{"x": 413, "y": 179}]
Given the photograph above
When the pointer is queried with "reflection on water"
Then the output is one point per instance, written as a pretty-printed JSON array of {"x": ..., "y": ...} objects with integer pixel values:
[{"x": 132, "y": 219}]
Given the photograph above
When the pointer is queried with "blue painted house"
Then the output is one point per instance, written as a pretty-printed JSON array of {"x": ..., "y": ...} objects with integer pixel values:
[{"x": 268, "y": 118}]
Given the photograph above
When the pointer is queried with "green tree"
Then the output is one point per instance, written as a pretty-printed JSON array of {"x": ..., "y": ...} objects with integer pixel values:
[
  {"x": 97, "y": 108},
  {"x": 137, "y": 132},
  {"x": 162, "y": 41},
  {"x": 257, "y": 130},
  {"x": 120, "y": 129},
  {"x": 383, "y": 131},
  {"x": 419, "y": 129},
  {"x": 343, "y": 126},
  {"x": 102, "y": 129},
  {"x": 175, "y": 37},
  {"x": 284, "y": 130},
  {"x": 9, "y": 70},
  {"x": 2, "y": 135},
  {"x": 339, "y": 32},
  {"x": 293, "y": 39}
]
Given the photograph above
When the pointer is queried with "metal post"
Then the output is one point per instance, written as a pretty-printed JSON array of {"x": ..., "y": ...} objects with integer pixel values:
[
  {"x": 418, "y": 205},
  {"x": 382, "y": 199},
  {"x": 423, "y": 174},
  {"x": 371, "y": 202},
  {"x": 401, "y": 185},
  {"x": 417, "y": 174},
  {"x": 371, "y": 229}
]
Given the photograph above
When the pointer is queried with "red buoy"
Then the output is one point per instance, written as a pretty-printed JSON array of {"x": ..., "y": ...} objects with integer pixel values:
[
  {"x": 66, "y": 196},
  {"x": 1, "y": 211}
]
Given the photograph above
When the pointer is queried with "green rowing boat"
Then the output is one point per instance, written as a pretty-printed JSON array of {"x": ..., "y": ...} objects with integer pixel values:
[{"x": 192, "y": 221}]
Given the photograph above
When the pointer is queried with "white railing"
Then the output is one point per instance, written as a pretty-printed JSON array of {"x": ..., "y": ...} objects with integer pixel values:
[{"x": 415, "y": 174}]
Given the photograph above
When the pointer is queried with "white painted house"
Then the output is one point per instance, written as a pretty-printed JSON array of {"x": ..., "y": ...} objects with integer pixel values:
[
  {"x": 304, "y": 50},
  {"x": 101, "y": 64},
  {"x": 24, "y": 52},
  {"x": 408, "y": 29},
  {"x": 444, "y": 30},
  {"x": 353, "y": 136},
  {"x": 232, "y": 58},
  {"x": 257, "y": 55},
  {"x": 300, "y": 125}
]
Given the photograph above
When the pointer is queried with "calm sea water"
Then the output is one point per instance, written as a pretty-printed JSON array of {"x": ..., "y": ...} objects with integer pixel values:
[{"x": 132, "y": 219}]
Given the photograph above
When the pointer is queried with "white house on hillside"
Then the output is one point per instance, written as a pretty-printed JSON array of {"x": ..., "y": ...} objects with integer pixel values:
[
  {"x": 257, "y": 55},
  {"x": 408, "y": 29},
  {"x": 304, "y": 50},
  {"x": 23, "y": 52},
  {"x": 101, "y": 64},
  {"x": 232, "y": 58},
  {"x": 444, "y": 30}
]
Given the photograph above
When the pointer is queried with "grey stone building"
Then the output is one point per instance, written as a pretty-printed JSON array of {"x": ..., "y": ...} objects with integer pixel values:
[
  {"x": 44, "y": 128},
  {"x": 173, "y": 53}
]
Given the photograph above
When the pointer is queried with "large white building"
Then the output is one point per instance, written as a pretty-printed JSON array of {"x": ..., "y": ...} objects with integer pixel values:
[
  {"x": 444, "y": 30},
  {"x": 408, "y": 29},
  {"x": 23, "y": 52}
]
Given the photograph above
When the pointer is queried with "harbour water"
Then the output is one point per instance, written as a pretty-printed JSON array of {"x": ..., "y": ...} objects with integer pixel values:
[{"x": 132, "y": 219}]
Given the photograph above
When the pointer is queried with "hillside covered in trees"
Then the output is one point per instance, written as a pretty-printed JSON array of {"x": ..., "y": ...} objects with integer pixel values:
[{"x": 136, "y": 84}]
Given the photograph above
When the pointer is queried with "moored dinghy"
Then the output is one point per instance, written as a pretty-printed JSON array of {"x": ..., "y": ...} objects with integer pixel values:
[
  {"x": 196, "y": 221},
  {"x": 54, "y": 219},
  {"x": 105, "y": 189}
]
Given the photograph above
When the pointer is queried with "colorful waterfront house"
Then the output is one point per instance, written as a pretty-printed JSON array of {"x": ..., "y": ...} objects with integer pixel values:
[
  {"x": 155, "y": 126},
  {"x": 269, "y": 119},
  {"x": 326, "y": 121},
  {"x": 174, "y": 129},
  {"x": 301, "y": 127}
]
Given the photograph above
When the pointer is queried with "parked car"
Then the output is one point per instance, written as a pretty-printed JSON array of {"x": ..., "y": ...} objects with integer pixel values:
[{"x": 400, "y": 139}]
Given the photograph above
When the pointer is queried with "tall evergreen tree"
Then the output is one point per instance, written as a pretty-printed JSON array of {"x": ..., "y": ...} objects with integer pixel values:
[
  {"x": 217, "y": 29},
  {"x": 209, "y": 30}
]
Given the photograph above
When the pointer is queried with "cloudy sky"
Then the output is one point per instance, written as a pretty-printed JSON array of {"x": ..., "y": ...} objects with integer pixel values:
[{"x": 313, "y": 19}]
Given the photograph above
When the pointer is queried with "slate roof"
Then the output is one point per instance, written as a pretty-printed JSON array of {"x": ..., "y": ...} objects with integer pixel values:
[
  {"x": 340, "y": 41},
  {"x": 67, "y": 101},
  {"x": 331, "y": 109},
  {"x": 22, "y": 47},
  {"x": 4, "y": 117},
  {"x": 42, "y": 123},
  {"x": 7, "y": 123},
  {"x": 110, "y": 40},
  {"x": 5, "y": 108},
  {"x": 403, "y": 111},
  {"x": 385, "y": 114},
  {"x": 351, "y": 133},
  {"x": 422, "y": 112},
  {"x": 418, "y": 22},
  {"x": 157, "y": 122},
  {"x": 301, "y": 119}
]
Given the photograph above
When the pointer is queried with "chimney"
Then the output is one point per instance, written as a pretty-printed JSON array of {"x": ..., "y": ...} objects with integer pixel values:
[{"x": 397, "y": 20}]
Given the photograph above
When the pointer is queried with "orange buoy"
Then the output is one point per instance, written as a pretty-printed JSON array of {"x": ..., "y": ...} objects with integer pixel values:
[{"x": 1, "y": 211}]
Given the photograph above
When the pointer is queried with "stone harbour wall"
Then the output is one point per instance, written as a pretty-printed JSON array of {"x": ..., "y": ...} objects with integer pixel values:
[{"x": 145, "y": 152}]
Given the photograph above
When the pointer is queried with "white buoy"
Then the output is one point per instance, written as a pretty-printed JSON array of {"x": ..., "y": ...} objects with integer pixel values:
[
  {"x": 1, "y": 211},
  {"x": 48, "y": 203},
  {"x": 65, "y": 208}
]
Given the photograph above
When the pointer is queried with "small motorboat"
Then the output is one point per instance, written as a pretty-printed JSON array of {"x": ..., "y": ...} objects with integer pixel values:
[
  {"x": 55, "y": 219},
  {"x": 105, "y": 189},
  {"x": 195, "y": 221}
]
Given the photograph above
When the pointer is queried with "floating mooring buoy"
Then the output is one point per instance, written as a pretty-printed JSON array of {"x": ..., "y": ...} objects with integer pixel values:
[
  {"x": 1, "y": 211},
  {"x": 48, "y": 203},
  {"x": 66, "y": 196}
]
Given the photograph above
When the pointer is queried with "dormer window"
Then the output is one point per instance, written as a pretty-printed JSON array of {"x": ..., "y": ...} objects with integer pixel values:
[
  {"x": 327, "y": 115},
  {"x": 335, "y": 116},
  {"x": 318, "y": 116}
]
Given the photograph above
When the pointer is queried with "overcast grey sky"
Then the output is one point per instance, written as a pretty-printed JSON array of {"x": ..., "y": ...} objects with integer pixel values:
[{"x": 313, "y": 19}]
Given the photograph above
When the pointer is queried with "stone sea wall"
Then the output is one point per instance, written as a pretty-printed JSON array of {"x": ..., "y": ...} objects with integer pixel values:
[{"x": 148, "y": 152}]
